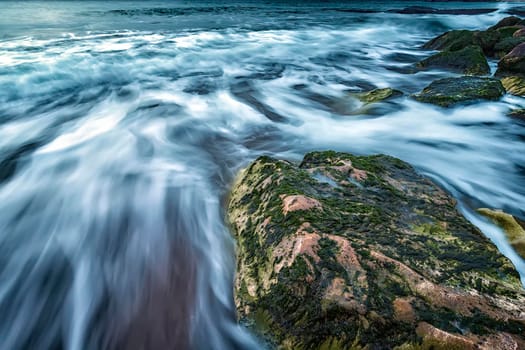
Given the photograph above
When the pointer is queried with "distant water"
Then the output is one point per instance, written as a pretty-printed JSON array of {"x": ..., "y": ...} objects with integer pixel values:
[{"x": 123, "y": 124}]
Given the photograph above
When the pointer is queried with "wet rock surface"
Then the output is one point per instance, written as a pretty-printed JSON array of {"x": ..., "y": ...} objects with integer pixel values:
[
  {"x": 496, "y": 41},
  {"x": 346, "y": 251},
  {"x": 450, "y": 91},
  {"x": 469, "y": 60}
]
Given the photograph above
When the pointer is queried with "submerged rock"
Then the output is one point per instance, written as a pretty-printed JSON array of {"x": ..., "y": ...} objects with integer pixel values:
[
  {"x": 450, "y": 91},
  {"x": 378, "y": 95},
  {"x": 518, "y": 113},
  {"x": 345, "y": 251},
  {"x": 514, "y": 230},
  {"x": 469, "y": 60}
]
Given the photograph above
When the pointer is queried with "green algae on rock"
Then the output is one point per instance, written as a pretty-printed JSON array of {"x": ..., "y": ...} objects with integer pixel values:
[
  {"x": 469, "y": 60},
  {"x": 514, "y": 231},
  {"x": 347, "y": 251},
  {"x": 378, "y": 95},
  {"x": 450, "y": 91}
]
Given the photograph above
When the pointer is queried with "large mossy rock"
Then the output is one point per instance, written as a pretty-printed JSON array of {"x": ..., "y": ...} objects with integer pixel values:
[
  {"x": 449, "y": 91},
  {"x": 345, "y": 252},
  {"x": 513, "y": 227},
  {"x": 469, "y": 60}
]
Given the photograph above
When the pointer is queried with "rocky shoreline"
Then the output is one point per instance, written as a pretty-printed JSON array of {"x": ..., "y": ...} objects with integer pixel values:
[{"x": 361, "y": 252}]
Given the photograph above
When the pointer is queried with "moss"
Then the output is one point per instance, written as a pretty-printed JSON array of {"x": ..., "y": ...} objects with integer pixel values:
[
  {"x": 493, "y": 42},
  {"x": 507, "y": 31},
  {"x": 513, "y": 230},
  {"x": 451, "y": 41},
  {"x": 469, "y": 60},
  {"x": 328, "y": 249}
]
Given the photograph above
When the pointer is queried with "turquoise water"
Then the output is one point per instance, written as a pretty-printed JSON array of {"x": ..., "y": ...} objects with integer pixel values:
[{"x": 123, "y": 124}]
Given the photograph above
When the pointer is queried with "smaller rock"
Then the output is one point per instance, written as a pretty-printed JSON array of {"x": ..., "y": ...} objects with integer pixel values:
[
  {"x": 378, "y": 95},
  {"x": 514, "y": 85},
  {"x": 450, "y": 91},
  {"x": 509, "y": 31},
  {"x": 514, "y": 231},
  {"x": 506, "y": 22},
  {"x": 469, "y": 61},
  {"x": 519, "y": 33},
  {"x": 506, "y": 45},
  {"x": 460, "y": 39},
  {"x": 451, "y": 41},
  {"x": 513, "y": 63},
  {"x": 518, "y": 113}
]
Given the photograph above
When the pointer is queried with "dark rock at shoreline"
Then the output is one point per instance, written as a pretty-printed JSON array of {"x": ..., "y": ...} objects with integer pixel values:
[
  {"x": 497, "y": 41},
  {"x": 347, "y": 251},
  {"x": 449, "y": 91},
  {"x": 469, "y": 60},
  {"x": 460, "y": 39},
  {"x": 430, "y": 10}
]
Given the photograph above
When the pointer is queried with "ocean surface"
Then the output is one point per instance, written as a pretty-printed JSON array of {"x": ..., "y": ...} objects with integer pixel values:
[{"x": 124, "y": 123}]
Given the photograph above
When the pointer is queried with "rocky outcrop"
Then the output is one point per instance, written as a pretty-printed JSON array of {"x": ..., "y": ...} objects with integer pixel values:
[
  {"x": 449, "y": 91},
  {"x": 513, "y": 227},
  {"x": 497, "y": 41},
  {"x": 469, "y": 60},
  {"x": 347, "y": 251}
]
